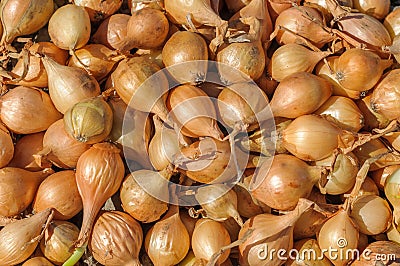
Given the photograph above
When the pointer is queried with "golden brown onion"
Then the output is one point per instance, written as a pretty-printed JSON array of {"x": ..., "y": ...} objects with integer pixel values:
[
  {"x": 99, "y": 9},
  {"x": 25, "y": 149},
  {"x": 375, "y": 8},
  {"x": 37, "y": 261},
  {"x": 372, "y": 119},
  {"x": 392, "y": 22},
  {"x": 7, "y": 146}
]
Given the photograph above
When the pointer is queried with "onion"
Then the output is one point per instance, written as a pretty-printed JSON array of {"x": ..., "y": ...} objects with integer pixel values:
[
  {"x": 385, "y": 98},
  {"x": 294, "y": 20},
  {"x": 138, "y": 193},
  {"x": 59, "y": 192},
  {"x": 113, "y": 33},
  {"x": 7, "y": 146},
  {"x": 37, "y": 261},
  {"x": 18, "y": 240},
  {"x": 193, "y": 111},
  {"x": 18, "y": 188},
  {"x": 167, "y": 242},
  {"x": 380, "y": 252},
  {"x": 75, "y": 24},
  {"x": 58, "y": 240},
  {"x": 99, "y": 174},
  {"x": 34, "y": 73},
  {"x": 147, "y": 28},
  {"x": 133, "y": 84},
  {"x": 25, "y": 148},
  {"x": 291, "y": 58},
  {"x": 20, "y": 17},
  {"x": 277, "y": 7},
  {"x": 219, "y": 202},
  {"x": 69, "y": 85},
  {"x": 99, "y": 9},
  {"x": 89, "y": 121},
  {"x": 179, "y": 54},
  {"x": 380, "y": 176},
  {"x": 274, "y": 231},
  {"x": 361, "y": 27},
  {"x": 372, "y": 214},
  {"x": 309, "y": 253},
  {"x": 59, "y": 148},
  {"x": 241, "y": 61},
  {"x": 98, "y": 60},
  {"x": 246, "y": 205},
  {"x": 340, "y": 233},
  {"x": 27, "y": 110},
  {"x": 359, "y": 70},
  {"x": 281, "y": 184},
  {"x": 300, "y": 94},
  {"x": 116, "y": 239},
  {"x": 392, "y": 185},
  {"x": 375, "y": 8},
  {"x": 343, "y": 112},
  {"x": 372, "y": 119},
  {"x": 208, "y": 238},
  {"x": 392, "y": 23},
  {"x": 309, "y": 223}
]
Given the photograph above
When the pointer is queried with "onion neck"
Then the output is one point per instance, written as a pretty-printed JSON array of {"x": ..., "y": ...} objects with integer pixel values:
[{"x": 76, "y": 256}]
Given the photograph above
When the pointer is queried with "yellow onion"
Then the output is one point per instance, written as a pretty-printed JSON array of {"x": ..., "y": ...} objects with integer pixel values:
[
  {"x": 69, "y": 85},
  {"x": 116, "y": 239},
  {"x": 99, "y": 174},
  {"x": 372, "y": 214},
  {"x": 308, "y": 253},
  {"x": 375, "y": 8},
  {"x": 210, "y": 161},
  {"x": 193, "y": 111},
  {"x": 154, "y": 55},
  {"x": 58, "y": 241},
  {"x": 393, "y": 234},
  {"x": 208, "y": 238},
  {"x": 167, "y": 242},
  {"x": 179, "y": 51},
  {"x": 241, "y": 61},
  {"x": 380, "y": 252},
  {"x": 219, "y": 202},
  {"x": 343, "y": 175},
  {"x": 59, "y": 192},
  {"x": 34, "y": 73},
  {"x": 372, "y": 119},
  {"x": 269, "y": 231},
  {"x": 361, "y": 27},
  {"x": 75, "y": 24},
  {"x": 385, "y": 97},
  {"x": 7, "y": 146},
  {"x": 20, "y": 17},
  {"x": 25, "y": 148},
  {"x": 299, "y": 94},
  {"x": 281, "y": 184},
  {"x": 380, "y": 175},
  {"x": 359, "y": 70},
  {"x": 27, "y": 110},
  {"x": 340, "y": 233},
  {"x": 343, "y": 112},
  {"x": 143, "y": 195},
  {"x": 99, "y": 9},
  {"x": 98, "y": 60},
  {"x": 239, "y": 103},
  {"x": 37, "y": 261},
  {"x": 18, "y": 188},
  {"x": 295, "y": 20},
  {"x": 89, "y": 121},
  {"x": 113, "y": 33},
  {"x": 147, "y": 28},
  {"x": 138, "y": 85},
  {"x": 18, "y": 240},
  {"x": 324, "y": 69},
  {"x": 59, "y": 148},
  {"x": 392, "y": 185},
  {"x": 310, "y": 222},
  {"x": 132, "y": 130},
  {"x": 246, "y": 205},
  {"x": 277, "y": 7},
  {"x": 392, "y": 23},
  {"x": 291, "y": 58}
]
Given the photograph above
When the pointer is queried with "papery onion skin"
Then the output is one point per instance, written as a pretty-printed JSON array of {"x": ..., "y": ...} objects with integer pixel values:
[
  {"x": 99, "y": 9},
  {"x": 27, "y": 110},
  {"x": 15, "y": 238},
  {"x": 58, "y": 241},
  {"x": 59, "y": 192},
  {"x": 20, "y": 17},
  {"x": 25, "y": 148},
  {"x": 69, "y": 27},
  {"x": 372, "y": 119},
  {"x": 7, "y": 146},
  {"x": 116, "y": 239},
  {"x": 147, "y": 28}
]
